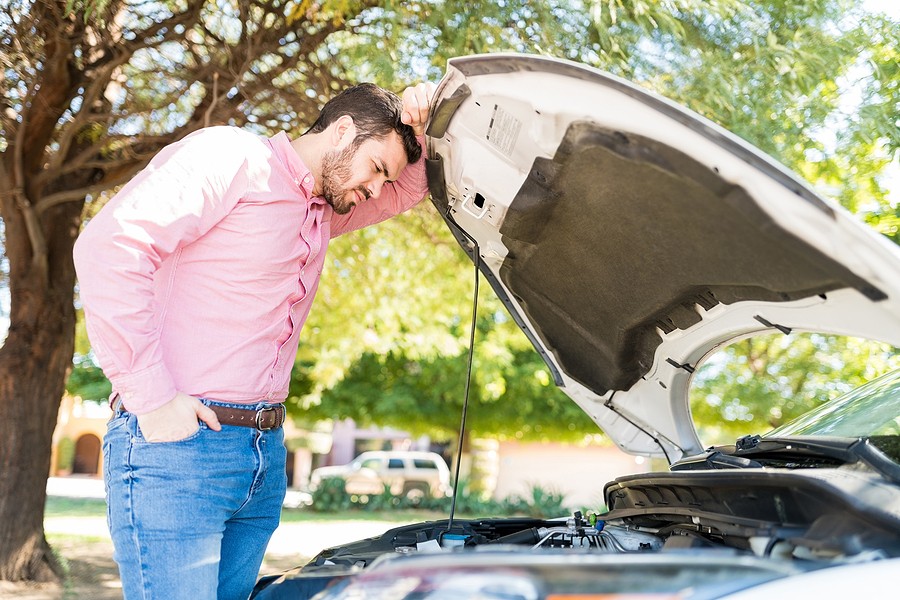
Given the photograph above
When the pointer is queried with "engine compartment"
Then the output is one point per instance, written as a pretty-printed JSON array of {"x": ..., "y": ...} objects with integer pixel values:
[
  {"x": 818, "y": 515},
  {"x": 662, "y": 533}
]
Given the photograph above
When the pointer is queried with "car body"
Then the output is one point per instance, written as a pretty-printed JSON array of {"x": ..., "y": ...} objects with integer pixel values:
[
  {"x": 402, "y": 472},
  {"x": 294, "y": 498},
  {"x": 630, "y": 239}
]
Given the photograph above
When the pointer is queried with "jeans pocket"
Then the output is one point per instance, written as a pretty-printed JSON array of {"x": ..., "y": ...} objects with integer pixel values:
[{"x": 183, "y": 440}]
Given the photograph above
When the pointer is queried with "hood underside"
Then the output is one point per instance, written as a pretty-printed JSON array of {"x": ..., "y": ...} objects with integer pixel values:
[{"x": 625, "y": 234}]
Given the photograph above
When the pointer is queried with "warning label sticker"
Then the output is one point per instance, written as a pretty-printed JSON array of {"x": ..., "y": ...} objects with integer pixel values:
[{"x": 503, "y": 130}]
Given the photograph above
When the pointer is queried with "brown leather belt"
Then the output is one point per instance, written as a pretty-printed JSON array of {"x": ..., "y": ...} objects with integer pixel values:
[{"x": 264, "y": 419}]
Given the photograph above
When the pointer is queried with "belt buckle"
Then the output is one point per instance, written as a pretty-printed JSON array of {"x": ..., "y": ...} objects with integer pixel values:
[{"x": 259, "y": 414}]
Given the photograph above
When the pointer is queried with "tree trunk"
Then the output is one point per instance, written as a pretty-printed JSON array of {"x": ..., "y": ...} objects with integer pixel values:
[{"x": 34, "y": 362}]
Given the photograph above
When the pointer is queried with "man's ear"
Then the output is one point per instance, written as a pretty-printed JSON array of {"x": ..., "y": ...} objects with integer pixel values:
[{"x": 343, "y": 132}]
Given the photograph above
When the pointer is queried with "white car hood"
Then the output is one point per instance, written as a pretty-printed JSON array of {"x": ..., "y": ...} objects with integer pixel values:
[{"x": 630, "y": 237}]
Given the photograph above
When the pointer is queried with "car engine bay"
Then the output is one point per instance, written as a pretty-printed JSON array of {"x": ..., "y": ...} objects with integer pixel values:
[{"x": 812, "y": 515}]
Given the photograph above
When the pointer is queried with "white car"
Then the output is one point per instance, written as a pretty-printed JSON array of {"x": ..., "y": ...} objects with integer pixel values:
[
  {"x": 630, "y": 239},
  {"x": 412, "y": 474}
]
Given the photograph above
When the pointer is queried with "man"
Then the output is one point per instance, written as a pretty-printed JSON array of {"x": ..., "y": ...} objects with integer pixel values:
[{"x": 196, "y": 280}]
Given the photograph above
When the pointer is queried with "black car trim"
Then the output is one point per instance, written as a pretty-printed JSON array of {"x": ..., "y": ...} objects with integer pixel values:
[
  {"x": 762, "y": 498},
  {"x": 444, "y": 111}
]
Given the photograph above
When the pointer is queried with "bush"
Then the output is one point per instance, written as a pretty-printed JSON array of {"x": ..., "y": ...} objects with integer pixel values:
[
  {"x": 65, "y": 455},
  {"x": 475, "y": 502},
  {"x": 542, "y": 503},
  {"x": 331, "y": 496},
  {"x": 383, "y": 501}
]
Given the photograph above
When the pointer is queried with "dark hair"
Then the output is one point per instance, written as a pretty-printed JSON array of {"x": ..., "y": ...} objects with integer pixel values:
[{"x": 375, "y": 112}]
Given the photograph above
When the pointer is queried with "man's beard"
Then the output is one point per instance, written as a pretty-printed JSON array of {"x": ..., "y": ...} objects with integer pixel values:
[{"x": 336, "y": 172}]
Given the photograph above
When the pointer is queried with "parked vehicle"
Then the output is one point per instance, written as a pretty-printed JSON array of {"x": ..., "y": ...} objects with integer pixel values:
[
  {"x": 408, "y": 473},
  {"x": 630, "y": 239},
  {"x": 294, "y": 498}
]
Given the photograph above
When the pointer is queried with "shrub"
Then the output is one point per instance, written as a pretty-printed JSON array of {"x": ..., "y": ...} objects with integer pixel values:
[
  {"x": 65, "y": 455},
  {"x": 383, "y": 501},
  {"x": 541, "y": 502},
  {"x": 331, "y": 496},
  {"x": 545, "y": 503}
]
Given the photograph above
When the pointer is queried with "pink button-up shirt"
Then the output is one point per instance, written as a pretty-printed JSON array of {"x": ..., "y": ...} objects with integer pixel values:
[{"x": 199, "y": 274}]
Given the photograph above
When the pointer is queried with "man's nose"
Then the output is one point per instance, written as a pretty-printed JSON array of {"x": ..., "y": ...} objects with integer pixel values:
[{"x": 375, "y": 187}]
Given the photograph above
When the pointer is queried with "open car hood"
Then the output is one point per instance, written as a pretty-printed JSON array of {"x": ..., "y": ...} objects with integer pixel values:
[{"x": 629, "y": 237}]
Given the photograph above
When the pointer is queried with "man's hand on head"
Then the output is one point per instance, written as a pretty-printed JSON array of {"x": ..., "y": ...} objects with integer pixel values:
[
  {"x": 416, "y": 102},
  {"x": 177, "y": 419}
]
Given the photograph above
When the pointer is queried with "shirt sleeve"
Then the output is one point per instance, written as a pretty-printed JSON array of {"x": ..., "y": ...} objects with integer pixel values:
[
  {"x": 396, "y": 197},
  {"x": 185, "y": 190}
]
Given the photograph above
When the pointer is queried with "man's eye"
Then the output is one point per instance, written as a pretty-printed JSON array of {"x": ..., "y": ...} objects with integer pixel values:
[{"x": 381, "y": 171}]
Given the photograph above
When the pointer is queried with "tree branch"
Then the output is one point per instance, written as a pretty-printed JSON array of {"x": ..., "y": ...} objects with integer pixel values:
[
  {"x": 147, "y": 38},
  {"x": 88, "y": 158},
  {"x": 48, "y": 202},
  {"x": 214, "y": 101},
  {"x": 32, "y": 224},
  {"x": 111, "y": 58},
  {"x": 83, "y": 118}
]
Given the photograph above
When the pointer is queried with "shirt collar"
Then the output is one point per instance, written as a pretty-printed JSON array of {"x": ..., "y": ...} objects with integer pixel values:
[{"x": 300, "y": 173}]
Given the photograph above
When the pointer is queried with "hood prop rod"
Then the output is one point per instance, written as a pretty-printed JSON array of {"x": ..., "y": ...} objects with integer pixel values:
[{"x": 462, "y": 425}]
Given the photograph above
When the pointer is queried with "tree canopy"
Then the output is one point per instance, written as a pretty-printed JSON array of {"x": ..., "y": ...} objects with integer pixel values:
[
  {"x": 394, "y": 301},
  {"x": 782, "y": 75},
  {"x": 763, "y": 382}
]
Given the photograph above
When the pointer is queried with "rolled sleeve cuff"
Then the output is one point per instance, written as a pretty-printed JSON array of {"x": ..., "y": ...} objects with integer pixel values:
[{"x": 145, "y": 391}]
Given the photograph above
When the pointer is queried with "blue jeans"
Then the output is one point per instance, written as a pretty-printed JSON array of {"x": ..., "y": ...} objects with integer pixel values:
[{"x": 191, "y": 519}]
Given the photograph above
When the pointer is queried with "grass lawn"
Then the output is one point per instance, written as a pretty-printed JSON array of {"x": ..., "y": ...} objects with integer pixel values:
[
  {"x": 75, "y": 529},
  {"x": 59, "y": 506}
]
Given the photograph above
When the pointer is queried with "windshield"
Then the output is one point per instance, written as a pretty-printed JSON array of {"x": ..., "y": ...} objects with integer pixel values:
[{"x": 868, "y": 411}]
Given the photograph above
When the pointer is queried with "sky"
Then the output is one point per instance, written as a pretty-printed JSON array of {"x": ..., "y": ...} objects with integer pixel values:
[{"x": 889, "y": 7}]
